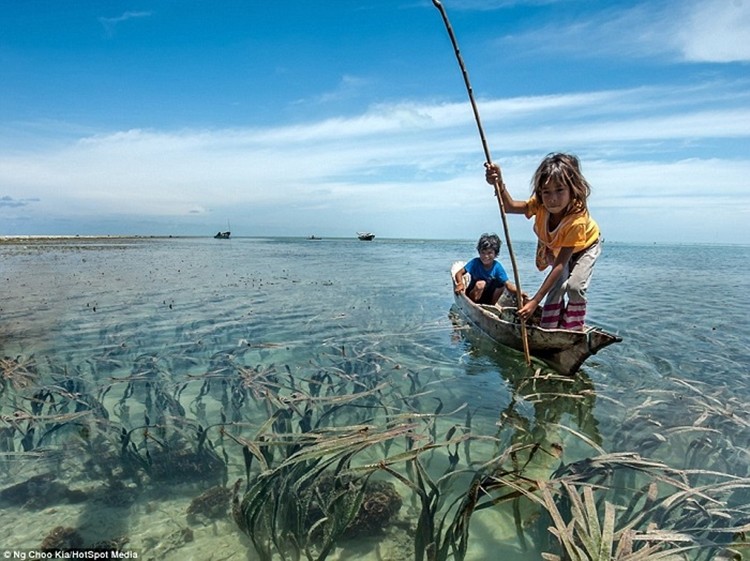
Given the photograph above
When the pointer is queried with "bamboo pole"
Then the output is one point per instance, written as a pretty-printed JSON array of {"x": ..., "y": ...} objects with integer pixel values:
[{"x": 498, "y": 186}]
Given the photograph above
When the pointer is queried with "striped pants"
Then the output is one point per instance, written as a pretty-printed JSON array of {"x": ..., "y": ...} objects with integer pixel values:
[{"x": 573, "y": 283}]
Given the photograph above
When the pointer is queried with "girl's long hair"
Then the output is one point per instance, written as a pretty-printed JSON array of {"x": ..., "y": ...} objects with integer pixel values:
[{"x": 564, "y": 169}]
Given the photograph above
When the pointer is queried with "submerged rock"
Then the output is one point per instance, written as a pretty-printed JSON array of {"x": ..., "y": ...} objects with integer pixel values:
[
  {"x": 40, "y": 491},
  {"x": 186, "y": 465}
]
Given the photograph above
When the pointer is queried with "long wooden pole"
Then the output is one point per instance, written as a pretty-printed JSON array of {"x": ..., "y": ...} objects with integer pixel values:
[{"x": 498, "y": 186}]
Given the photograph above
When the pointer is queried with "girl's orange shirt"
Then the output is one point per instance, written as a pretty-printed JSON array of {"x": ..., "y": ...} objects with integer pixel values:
[{"x": 577, "y": 230}]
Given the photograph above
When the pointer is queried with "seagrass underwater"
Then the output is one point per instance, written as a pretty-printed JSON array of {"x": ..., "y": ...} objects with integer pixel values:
[{"x": 273, "y": 397}]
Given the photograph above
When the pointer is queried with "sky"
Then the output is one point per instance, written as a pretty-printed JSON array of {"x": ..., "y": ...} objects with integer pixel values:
[{"x": 299, "y": 118}]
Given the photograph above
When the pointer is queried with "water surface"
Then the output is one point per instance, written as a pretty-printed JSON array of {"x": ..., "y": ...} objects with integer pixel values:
[{"x": 111, "y": 335}]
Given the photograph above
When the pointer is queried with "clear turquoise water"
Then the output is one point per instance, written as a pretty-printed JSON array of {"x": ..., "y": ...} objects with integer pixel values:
[{"x": 92, "y": 315}]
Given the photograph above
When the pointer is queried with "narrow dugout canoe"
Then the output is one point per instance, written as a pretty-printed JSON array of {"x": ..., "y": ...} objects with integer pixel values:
[{"x": 563, "y": 349}]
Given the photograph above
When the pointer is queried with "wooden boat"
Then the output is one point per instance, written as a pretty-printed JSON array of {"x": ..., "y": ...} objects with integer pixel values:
[
  {"x": 366, "y": 236},
  {"x": 563, "y": 349},
  {"x": 222, "y": 235}
]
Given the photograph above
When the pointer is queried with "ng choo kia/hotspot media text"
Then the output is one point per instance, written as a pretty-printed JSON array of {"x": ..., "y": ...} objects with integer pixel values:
[{"x": 99, "y": 555}]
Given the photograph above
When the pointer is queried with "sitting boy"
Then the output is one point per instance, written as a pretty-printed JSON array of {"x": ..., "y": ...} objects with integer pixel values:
[{"x": 488, "y": 277}]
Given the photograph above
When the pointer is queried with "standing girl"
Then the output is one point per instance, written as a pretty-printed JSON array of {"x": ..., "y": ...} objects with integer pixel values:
[{"x": 568, "y": 238}]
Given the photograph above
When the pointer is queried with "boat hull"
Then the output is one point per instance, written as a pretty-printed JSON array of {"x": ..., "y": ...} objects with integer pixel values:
[{"x": 562, "y": 349}]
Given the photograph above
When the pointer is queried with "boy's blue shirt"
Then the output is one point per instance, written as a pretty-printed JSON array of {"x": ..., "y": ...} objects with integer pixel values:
[{"x": 478, "y": 272}]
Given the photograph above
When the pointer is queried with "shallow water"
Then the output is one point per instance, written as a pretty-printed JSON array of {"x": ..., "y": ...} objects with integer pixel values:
[{"x": 125, "y": 333}]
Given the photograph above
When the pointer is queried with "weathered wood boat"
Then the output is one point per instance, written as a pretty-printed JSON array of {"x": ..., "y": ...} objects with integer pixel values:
[
  {"x": 563, "y": 349},
  {"x": 366, "y": 236}
]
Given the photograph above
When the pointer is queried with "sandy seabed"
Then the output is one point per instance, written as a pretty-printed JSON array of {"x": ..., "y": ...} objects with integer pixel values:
[{"x": 157, "y": 527}]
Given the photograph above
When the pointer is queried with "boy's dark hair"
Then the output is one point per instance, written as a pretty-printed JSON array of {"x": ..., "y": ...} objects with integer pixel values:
[{"x": 489, "y": 241}]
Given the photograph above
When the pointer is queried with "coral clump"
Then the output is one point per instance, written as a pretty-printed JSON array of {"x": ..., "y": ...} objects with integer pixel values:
[
  {"x": 62, "y": 539},
  {"x": 210, "y": 505},
  {"x": 117, "y": 494},
  {"x": 112, "y": 545},
  {"x": 379, "y": 505}
]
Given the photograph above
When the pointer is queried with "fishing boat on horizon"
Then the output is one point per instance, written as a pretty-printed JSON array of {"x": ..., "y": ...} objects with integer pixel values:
[
  {"x": 366, "y": 236},
  {"x": 224, "y": 235}
]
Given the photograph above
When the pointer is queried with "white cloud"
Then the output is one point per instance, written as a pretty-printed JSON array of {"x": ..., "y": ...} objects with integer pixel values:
[
  {"x": 405, "y": 160},
  {"x": 348, "y": 87},
  {"x": 110, "y": 24},
  {"x": 713, "y": 31}
]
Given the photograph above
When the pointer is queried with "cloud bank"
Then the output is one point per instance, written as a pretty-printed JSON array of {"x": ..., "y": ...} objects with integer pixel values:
[{"x": 399, "y": 161}]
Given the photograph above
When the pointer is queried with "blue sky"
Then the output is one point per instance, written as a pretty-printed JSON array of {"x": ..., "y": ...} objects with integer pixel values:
[{"x": 299, "y": 117}]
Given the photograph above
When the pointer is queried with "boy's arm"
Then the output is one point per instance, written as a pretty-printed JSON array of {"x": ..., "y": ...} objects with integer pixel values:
[{"x": 458, "y": 280}]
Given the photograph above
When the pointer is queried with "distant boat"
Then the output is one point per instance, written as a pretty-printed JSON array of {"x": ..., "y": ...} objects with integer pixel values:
[
  {"x": 314, "y": 238},
  {"x": 366, "y": 236},
  {"x": 224, "y": 235}
]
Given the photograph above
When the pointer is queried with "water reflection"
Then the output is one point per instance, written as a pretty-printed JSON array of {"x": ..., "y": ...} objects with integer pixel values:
[
  {"x": 548, "y": 419},
  {"x": 667, "y": 478},
  {"x": 540, "y": 402}
]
